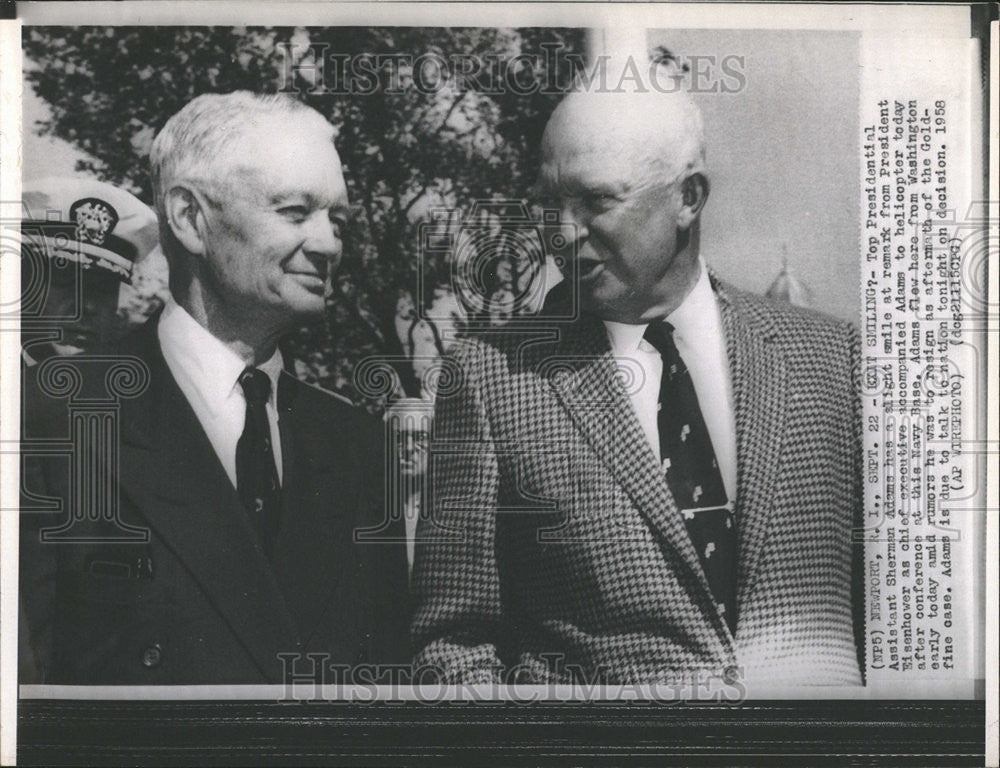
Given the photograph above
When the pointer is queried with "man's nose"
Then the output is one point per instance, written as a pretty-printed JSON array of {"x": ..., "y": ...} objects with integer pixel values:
[
  {"x": 323, "y": 237},
  {"x": 572, "y": 220}
]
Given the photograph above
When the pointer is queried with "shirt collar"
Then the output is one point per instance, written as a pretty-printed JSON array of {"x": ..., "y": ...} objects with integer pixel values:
[
  {"x": 623, "y": 337},
  {"x": 687, "y": 319},
  {"x": 212, "y": 368},
  {"x": 696, "y": 310}
]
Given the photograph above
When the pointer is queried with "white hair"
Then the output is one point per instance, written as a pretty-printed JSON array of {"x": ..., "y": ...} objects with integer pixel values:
[
  {"x": 196, "y": 142},
  {"x": 648, "y": 117}
]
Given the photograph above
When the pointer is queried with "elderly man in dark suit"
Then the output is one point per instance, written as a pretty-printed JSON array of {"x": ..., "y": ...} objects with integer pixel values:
[
  {"x": 663, "y": 489},
  {"x": 222, "y": 538}
]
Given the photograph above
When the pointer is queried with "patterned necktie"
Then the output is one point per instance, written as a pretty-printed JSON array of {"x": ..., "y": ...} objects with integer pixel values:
[
  {"x": 692, "y": 473},
  {"x": 256, "y": 474}
]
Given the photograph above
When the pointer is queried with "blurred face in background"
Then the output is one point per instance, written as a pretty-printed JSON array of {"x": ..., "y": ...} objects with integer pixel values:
[
  {"x": 411, "y": 443},
  {"x": 410, "y": 420}
]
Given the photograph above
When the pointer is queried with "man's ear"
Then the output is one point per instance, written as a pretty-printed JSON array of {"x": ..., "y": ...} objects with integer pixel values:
[
  {"x": 186, "y": 218},
  {"x": 694, "y": 193}
]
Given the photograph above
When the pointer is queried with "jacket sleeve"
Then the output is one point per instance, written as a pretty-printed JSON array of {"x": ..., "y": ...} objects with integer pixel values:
[
  {"x": 36, "y": 606},
  {"x": 458, "y": 623},
  {"x": 858, "y": 500},
  {"x": 37, "y": 577}
]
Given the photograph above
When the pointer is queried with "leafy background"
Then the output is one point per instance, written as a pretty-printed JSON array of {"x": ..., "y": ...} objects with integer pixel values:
[{"x": 406, "y": 152}]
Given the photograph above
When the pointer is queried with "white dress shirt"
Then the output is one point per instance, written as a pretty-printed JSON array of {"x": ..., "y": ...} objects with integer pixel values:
[
  {"x": 207, "y": 371},
  {"x": 701, "y": 342}
]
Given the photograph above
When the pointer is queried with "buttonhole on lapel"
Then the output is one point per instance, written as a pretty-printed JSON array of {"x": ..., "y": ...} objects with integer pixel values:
[
  {"x": 137, "y": 567},
  {"x": 109, "y": 568}
]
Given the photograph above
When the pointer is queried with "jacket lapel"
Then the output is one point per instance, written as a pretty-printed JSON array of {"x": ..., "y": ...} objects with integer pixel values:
[
  {"x": 314, "y": 554},
  {"x": 587, "y": 381},
  {"x": 759, "y": 376},
  {"x": 169, "y": 469}
]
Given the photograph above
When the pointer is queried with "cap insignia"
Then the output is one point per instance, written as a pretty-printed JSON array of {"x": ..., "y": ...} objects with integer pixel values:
[{"x": 94, "y": 218}]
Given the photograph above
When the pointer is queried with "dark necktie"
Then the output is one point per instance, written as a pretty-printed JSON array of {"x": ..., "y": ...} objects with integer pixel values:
[
  {"x": 256, "y": 474},
  {"x": 692, "y": 472}
]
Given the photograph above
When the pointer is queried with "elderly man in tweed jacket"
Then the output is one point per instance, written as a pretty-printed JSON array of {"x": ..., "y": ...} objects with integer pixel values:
[{"x": 664, "y": 488}]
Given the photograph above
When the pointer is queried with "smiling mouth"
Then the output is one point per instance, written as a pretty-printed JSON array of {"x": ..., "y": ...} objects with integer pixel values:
[
  {"x": 589, "y": 268},
  {"x": 310, "y": 279}
]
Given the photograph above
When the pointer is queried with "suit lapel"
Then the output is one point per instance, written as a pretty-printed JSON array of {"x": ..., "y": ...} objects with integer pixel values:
[
  {"x": 759, "y": 376},
  {"x": 169, "y": 469},
  {"x": 588, "y": 384},
  {"x": 314, "y": 553}
]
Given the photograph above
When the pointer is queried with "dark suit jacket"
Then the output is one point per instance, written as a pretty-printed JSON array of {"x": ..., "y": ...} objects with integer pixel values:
[
  {"x": 199, "y": 602},
  {"x": 554, "y": 530}
]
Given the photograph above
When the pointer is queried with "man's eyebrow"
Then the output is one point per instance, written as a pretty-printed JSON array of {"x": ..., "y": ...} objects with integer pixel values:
[
  {"x": 306, "y": 198},
  {"x": 602, "y": 186},
  {"x": 283, "y": 196}
]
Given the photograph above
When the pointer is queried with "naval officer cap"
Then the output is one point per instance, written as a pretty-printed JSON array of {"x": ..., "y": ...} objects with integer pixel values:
[{"x": 90, "y": 222}]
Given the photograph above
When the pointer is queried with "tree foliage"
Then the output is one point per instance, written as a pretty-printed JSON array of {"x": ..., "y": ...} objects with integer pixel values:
[{"x": 406, "y": 150}]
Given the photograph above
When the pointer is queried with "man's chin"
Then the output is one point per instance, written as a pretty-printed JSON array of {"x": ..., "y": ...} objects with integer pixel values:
[
  {"x": 306, "y": 311},
  {"x": 607, "y": 307},
  {"x": 305, "y": 302},
  {"x": 596, "y": 301}
]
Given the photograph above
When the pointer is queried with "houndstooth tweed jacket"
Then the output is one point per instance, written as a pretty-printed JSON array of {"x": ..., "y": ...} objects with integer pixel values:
[{"x": 555, "y": 548}]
